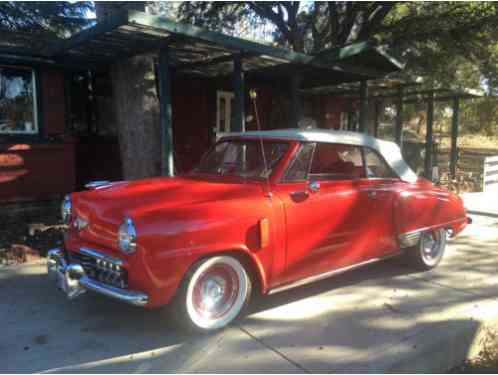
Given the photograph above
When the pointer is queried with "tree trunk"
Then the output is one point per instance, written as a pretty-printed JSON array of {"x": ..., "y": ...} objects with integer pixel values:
[{"x": 136, "y": 105}]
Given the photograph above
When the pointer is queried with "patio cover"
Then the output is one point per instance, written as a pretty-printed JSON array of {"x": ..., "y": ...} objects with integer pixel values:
[{"x": 199, "y": 51}]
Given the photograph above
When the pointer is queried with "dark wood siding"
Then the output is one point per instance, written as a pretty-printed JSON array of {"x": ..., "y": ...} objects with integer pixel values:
[
  {"x": 37, "y": 171},
  {"x": 192, "y": 120},
  {"x": 52, "y": 99}
]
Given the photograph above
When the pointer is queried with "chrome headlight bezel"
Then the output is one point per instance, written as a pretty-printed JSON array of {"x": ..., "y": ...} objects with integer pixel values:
[
  {"x": 127, "y": 236},
  {"x": 66, "y": 208}
]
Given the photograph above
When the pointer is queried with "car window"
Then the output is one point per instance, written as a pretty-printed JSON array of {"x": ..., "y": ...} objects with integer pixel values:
[
  {"x": 336, "y": 162},
  {"x": 300, "y": 165},
  {"x": 376, "y": 166},
  {"x": 242, "y": 158}
]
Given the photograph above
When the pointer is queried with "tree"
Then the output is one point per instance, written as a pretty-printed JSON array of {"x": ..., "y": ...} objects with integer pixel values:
[
  {"x": 59, "y": 18},
  {"x": 434, "y": 38}
]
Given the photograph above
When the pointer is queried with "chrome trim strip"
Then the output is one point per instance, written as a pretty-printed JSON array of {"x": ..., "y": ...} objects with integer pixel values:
[
  {"x": 58, "y": 269},
  {"x": 97, "y": 254},
  {"x": 409, "y": 239},
  {"x": 96, "y": 184},
  {"x": 311, "y": 279},
  {"x": 129, "y": 296}
]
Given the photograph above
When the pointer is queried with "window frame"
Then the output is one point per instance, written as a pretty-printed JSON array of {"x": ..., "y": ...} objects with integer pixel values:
[
  {"x": 360, "y": 149},
  {"x": 290, "y": 163},
  {"x": 37, "y": 114},
  {"x": 382, "y": 159}
]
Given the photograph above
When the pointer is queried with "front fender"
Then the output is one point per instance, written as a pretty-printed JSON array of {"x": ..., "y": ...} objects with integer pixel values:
[{"x": 171, "y": 242}]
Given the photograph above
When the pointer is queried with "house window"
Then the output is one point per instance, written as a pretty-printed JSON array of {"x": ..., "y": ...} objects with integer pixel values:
[
  {"x": 349, "y": 120},
  {"x": 17, "y": 101}
]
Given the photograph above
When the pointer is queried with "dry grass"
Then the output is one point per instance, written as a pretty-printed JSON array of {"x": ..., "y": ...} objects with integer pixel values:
[
  {"x": 473, "y": 141},
  {"x": 487, "y": 360}
]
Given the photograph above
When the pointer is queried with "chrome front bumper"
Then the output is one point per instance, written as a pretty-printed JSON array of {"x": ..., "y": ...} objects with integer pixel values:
[{"x": 71, "y": 278}]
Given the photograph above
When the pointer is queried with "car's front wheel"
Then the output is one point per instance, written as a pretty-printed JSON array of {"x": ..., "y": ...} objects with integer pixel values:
[
  {"x": 429, "y": 251},
  {"x": 214, "y": 293}
]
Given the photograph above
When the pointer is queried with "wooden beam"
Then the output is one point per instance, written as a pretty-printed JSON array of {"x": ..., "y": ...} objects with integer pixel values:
[
  {"x": 159, "y": 22},
  {"x": 363, "y": 107},
  {"x": 239, "y": 99},
  {"x": 165, "y": 115},
  {"x": 207, "y": 62},
  {"x": 296, "y": 105},
  {"x": 429, "y": 138},
  {"x": 454, "y": 137},
  {"x": 101, "y": 28},
  {"x": 398, "y": 130}
]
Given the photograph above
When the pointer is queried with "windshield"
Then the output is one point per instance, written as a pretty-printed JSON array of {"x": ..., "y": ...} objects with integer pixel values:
[{"x": 242, "y": 158}]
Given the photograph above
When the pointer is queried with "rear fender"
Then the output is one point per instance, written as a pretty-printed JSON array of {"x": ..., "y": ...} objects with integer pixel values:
[{"x": 417, "y": 211}]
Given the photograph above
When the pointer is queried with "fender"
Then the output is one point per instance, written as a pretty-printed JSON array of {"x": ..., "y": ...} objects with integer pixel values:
[
  {"x": 420, "y": 209},
  {"x": 199, "y": 252}
]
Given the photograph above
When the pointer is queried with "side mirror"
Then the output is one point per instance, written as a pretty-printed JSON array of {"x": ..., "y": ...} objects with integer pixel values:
[{"x": 313, "y": 186}]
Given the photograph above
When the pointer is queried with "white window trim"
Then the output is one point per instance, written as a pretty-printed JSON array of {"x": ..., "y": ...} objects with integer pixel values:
[
  {"x": 35, "y": 107},
  {"x": 229, "y": 96}
]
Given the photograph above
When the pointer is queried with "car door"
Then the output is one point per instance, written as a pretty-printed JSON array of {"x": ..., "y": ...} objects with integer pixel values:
[
  {"x": 378, "y": 188},
  {"x": 323, "y": 209}
]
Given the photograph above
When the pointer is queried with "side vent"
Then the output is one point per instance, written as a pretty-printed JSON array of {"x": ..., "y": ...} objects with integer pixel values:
[{"x": 264, "y": 233}]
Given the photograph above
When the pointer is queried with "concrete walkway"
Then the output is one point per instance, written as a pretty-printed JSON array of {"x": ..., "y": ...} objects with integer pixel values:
[
  {"x": 480, "y": 203},
  {"x": 384, "y": 318}
]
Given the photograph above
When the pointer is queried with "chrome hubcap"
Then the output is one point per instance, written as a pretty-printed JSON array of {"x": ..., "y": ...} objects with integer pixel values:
[
  {"x": 431, "y": 246},
  {"x": 212, "y": 293},
  {"x": 215, "y": 292}
]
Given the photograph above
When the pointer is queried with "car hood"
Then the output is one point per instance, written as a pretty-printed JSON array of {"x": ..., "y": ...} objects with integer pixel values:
[
  {"x": 106, "y": 207},
  {"x": 132, "y": 198}
]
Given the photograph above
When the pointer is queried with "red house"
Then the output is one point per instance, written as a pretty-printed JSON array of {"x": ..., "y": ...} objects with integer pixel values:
[{"x": 58, "y": 129}]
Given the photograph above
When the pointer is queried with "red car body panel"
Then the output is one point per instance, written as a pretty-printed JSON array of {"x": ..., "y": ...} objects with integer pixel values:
[{"x": 180, "y": 220}]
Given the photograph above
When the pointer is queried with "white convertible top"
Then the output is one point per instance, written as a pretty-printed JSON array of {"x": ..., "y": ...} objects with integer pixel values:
[{"x": 389, "y": 150}]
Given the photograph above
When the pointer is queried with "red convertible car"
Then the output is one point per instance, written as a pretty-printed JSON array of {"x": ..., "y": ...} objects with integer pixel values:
[{"x": 264, "y": 211}]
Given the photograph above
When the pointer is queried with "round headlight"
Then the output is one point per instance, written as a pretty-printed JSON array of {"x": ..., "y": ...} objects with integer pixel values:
[
  {"x": 127, "y": 236},
  {"x": 66, "y": 209}
]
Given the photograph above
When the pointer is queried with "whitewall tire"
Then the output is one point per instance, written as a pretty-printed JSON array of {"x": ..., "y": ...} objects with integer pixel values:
[
  {"x": 214, "y": 293},
  {"x": 430, "y": 249}
]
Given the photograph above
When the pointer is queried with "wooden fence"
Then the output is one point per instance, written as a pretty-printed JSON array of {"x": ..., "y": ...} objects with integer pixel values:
[{"x": 490, "y": 174}]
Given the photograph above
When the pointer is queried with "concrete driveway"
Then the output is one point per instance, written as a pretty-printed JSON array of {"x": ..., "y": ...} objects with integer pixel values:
[{"x": 383, "y": 318}]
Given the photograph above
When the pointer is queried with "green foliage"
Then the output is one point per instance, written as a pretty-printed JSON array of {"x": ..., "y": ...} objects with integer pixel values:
[
  {"x": 450, "y": 44},
  {"x": 446, "y": 42},
  {"x": 55, "y": 17}
]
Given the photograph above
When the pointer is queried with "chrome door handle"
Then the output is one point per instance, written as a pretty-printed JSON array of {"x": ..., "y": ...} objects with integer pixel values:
[
  {"x": 313, "y": 186},
  {"x": 372, "y": 194}
]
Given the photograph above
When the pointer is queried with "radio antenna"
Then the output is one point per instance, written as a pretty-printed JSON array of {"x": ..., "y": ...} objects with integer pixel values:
[{"x": 253, "y": 95}]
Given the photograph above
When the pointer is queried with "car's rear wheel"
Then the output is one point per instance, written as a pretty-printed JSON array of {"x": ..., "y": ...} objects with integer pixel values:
[
  {"x": 429, "y": 251},
  {"x": 214, "y": 293}
]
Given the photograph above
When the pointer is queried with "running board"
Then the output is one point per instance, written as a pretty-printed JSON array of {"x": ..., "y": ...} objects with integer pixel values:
[{"x": 326, "y": 275}]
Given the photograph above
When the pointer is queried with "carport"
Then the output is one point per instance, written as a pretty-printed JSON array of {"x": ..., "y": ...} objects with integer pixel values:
[
  {"x": 195, "y": 51},
  {"x": 404, "y": 92}
]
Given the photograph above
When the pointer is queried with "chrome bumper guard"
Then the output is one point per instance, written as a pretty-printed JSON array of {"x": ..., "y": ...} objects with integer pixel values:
[{"x": 71, "y": 279}]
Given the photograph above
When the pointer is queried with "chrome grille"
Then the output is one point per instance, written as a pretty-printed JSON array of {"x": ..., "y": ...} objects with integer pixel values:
[{"x": 103, "y": 271}]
